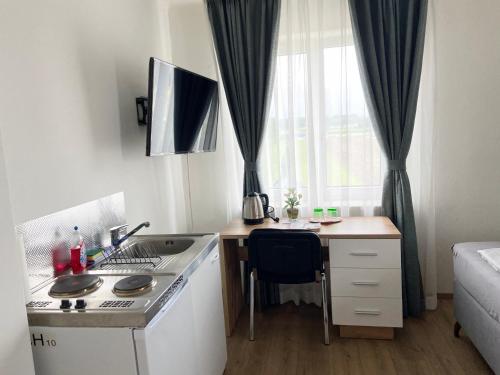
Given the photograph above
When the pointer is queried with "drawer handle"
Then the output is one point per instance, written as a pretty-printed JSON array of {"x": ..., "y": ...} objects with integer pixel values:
[
  {"x": 374, "y": 283},
  {"x": 364, "y": 253},
  {"x": 367, "y": 312}
]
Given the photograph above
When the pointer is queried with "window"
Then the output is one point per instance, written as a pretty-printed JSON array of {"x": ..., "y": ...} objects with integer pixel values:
[{"x": 319, "y": 137}]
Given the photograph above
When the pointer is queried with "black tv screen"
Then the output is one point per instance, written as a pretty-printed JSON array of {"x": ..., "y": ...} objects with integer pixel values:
[{"x": 183, "y": 111}]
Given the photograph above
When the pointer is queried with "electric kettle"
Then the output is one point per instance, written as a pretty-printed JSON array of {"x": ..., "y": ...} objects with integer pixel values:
[{"x": 253, "y": 208}]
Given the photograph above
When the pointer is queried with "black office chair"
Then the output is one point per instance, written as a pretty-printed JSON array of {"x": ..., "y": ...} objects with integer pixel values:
[{"x": 286, "y": 257}]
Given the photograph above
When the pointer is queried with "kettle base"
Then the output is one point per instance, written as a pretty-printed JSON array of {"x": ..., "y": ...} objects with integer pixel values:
[{"x": 253, "y": 221}]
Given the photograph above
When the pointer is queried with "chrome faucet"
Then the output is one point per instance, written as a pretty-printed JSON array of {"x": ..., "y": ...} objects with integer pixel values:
[{"x": 119, "y": 234}]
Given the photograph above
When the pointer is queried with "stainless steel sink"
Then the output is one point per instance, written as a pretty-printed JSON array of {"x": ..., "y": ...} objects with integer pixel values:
[
  {"x": 160, "y": 254},
  {"x": 159, "y": 245}
]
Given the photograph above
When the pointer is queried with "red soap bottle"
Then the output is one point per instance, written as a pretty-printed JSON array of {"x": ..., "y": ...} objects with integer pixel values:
[{"x": 78, "y": 255}]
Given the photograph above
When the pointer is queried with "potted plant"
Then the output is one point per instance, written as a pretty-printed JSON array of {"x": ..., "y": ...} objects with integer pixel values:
[{"x": 292, "y": 202}]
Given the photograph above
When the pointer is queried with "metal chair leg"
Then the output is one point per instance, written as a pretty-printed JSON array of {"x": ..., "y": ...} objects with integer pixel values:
[
  {"x": 252, "y": 304},
  {"x": 325, "y": 309}
]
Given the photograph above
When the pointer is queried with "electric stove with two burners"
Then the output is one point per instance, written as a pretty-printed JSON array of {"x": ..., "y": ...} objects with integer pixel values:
[
  {"x": 133, "y": 319},
  {"x": 97, "y": 300}
]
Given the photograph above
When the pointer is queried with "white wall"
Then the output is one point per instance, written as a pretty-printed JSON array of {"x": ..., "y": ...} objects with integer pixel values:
[
  {"x": 70, "y": 72},
  {"x": 78, "y": 68},
  {"x": 215, "y": 178},
  {"x": 468, "y": 127},
  {"x": 15, "y": 351}
]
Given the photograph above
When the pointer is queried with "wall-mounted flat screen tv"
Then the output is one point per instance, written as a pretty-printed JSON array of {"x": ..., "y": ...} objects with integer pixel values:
[{"x": 182, "y": 111}]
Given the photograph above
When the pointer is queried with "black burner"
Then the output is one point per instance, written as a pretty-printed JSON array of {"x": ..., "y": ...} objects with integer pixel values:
[
  {"x": 133, "y": 285},
  {"x": 75, "y": 285}
]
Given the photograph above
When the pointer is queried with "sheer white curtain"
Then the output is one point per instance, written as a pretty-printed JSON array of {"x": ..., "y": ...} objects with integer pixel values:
[
  {"x": 319, "y": 138},
  {"x": 420, "y": 164}
]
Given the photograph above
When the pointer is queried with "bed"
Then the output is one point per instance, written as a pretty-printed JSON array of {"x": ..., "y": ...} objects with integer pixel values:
[{"x": 477, "y": 300}]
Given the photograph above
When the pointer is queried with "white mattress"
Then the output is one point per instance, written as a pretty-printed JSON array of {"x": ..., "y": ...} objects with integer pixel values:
[
  {"x": 477, "y": 277},
  {"x": 492, "y": 256}
]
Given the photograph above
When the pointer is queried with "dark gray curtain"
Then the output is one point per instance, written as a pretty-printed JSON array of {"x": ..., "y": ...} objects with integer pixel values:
[
  {"x": 389, "y": 39},
  {"x": 245, "y": 33}
]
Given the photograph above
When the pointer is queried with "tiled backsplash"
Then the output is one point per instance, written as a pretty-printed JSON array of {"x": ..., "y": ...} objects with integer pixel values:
[{"x": 93, "y": 220}]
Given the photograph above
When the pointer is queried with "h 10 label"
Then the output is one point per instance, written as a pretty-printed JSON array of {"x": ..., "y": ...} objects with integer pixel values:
[{"x": 39, "y": 340}]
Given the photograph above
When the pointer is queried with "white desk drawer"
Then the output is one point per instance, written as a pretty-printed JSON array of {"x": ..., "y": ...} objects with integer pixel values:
[
  {"x": 358, "y": 282},
  {"x": 371, "y": 312},
  {"x": 365, "y": 253}
]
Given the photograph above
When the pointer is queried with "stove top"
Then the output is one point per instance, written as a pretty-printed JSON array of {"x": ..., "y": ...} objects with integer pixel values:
[{"x": 104, "y": 300}]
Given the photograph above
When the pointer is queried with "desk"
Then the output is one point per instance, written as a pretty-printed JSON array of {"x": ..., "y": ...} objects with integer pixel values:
[{"x": 357, "y": 229}]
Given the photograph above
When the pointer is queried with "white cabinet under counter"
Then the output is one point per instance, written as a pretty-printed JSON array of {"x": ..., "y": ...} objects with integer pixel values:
[
  {"x": 190, "y": 339},
  {"x": 366, "y": 294},
  {"x": 174, "y": 325},
  {"x": 208, "y": 319}
]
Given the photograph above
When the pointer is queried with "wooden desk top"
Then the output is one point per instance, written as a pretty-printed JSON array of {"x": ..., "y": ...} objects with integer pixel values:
[{"x": 349, "y": 227}]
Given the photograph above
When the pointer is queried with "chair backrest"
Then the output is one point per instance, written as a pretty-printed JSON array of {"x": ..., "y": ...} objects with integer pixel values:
[{"x": 285, "y": 256}]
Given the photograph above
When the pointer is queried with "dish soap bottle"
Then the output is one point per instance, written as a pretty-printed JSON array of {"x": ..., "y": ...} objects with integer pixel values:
[
  {"x": 78, "y": 254},
  {"x": 60, "y": 256}
]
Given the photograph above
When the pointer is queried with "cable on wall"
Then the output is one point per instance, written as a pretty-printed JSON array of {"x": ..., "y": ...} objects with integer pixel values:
[{"x": 189, "y": 194}]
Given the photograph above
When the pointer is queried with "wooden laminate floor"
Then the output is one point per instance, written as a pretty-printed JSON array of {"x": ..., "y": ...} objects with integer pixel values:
[{"x": 288, "y": 340}]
